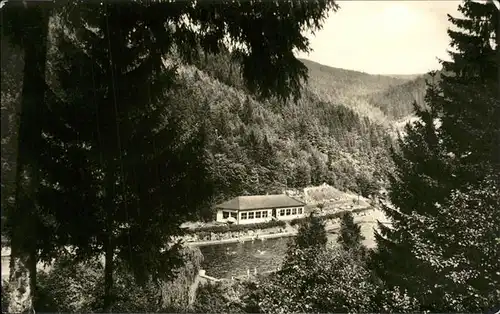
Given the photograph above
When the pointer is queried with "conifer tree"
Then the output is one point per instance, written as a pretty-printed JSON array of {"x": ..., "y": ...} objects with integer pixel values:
[
  {"x": 446, "y": 177},
  {"x": 350, "y": 236},
  {"x": 316, "y": 278},
  {"x": 311, "y": 239},
  {"x": 285, "y": 290},
  {"x": 247, "y": 112},
  {"x": 27, "y": 27},
  {"x": 114, "y": 137},
  {"x": 311, "y": 234}
]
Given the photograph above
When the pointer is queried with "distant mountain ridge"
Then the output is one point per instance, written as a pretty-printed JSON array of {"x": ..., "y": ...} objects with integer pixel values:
[
  {"x": 344, "y": 82},
  {"x": 385, "y": 98},
  {"x": 405, "y": 76}
]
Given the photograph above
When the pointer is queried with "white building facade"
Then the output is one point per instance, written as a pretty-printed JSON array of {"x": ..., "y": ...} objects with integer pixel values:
[{"x": 260, "y": 208}]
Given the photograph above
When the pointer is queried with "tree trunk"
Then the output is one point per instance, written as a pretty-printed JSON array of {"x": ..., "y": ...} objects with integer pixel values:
[
  {"x": 32, "y": 261},
  {"x": 22, "y": 283},
  {"x": 108, "y": 275},
  {"x": 109, "y": 245},
  {"x": 35, "y": 18},
  {"x": 18, "y": 289}
]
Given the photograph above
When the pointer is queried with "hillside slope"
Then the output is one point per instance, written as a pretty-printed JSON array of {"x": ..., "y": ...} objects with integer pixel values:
[
  {"x": 259, "y": 147},
  {"x": 337, "y": 83},
  {"x": 407, "y": 77},
  {"x": 397, "y": 101},
  {"x": 377, "y": 97},
  {"x": 384, "y": 98}
]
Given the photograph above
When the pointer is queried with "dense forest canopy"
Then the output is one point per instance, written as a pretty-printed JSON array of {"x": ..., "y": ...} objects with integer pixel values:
[
  {"x": 263, "y": 147},
  {"x": 337, "y": 132}
]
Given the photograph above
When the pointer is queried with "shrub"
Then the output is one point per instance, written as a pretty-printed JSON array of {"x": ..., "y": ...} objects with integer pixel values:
[
  {"x": 69, "y": 286},
  {"x": 350, "y": 236},
  {"x": 5, "y": 296},
  {"x": 331, "y": 281},
  {"x": 236, "y": 228},
  {"x": 77, "y": 287},
  {"x": 339, "y": 214},
  {"x": 222, "y": 297}
]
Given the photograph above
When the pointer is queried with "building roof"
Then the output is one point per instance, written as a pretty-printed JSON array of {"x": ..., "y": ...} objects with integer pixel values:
[{"x": 261, "y": 201}]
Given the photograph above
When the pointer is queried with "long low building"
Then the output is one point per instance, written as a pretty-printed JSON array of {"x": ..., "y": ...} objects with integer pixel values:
[{"x": 260, "y": 208}]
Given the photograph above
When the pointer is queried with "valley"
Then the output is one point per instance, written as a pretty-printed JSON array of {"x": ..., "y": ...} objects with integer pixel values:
[
  {"x": 203, "y": 157},
  {"x": 339, "y": 132}
]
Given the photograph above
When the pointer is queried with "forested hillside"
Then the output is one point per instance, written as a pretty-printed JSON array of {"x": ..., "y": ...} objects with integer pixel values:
[
  {"x": 349, "y": 88},
  {"x": 397, "y": 101},
  {"x": 337, "y": 83},
  {"x": 383, "y": 98},
  {"x": 333, "y": 134},
  {"x": 260, "y": 147},
  {"x": 339, "y": 132}
]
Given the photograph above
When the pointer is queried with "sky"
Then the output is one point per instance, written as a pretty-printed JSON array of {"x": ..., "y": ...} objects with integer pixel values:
[{"x": 384, "y": 37}]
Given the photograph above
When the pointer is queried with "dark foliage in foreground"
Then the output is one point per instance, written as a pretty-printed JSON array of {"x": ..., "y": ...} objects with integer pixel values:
[
  {"x": 446, "y": 188},
  {"x": 97, "y": 135}
]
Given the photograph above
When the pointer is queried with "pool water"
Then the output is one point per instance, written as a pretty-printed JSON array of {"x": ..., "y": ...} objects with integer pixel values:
[{"x": 233, "y": 259}]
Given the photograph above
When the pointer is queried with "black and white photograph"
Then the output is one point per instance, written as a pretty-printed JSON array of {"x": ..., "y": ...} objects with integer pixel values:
[{"x": 250, "y": 156}]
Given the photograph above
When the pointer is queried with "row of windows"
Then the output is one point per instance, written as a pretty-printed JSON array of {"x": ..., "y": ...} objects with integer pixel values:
[
  {"x": 290, "y": 211},
  {"x": 252, "y": 215},
  {"x": 263, "y": 214},
  {"x": 226, "y": 215}
]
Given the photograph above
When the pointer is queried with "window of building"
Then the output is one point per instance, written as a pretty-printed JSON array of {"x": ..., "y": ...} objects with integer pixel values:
[
  {"x": 234, "y": 215},
  {"x": 282, "y": 212},
  {"x": 264, "y": 214},
  {"x": 243, "y": 215},
  {"x": 288, "y": 211},
  {"x": 225, "y": 215},
  {"x": 294, "y": 211},
  {"x": 300, "y": 210},
  {"x": 250, "y": 215},
  {"x": 258, "y": 214}
]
